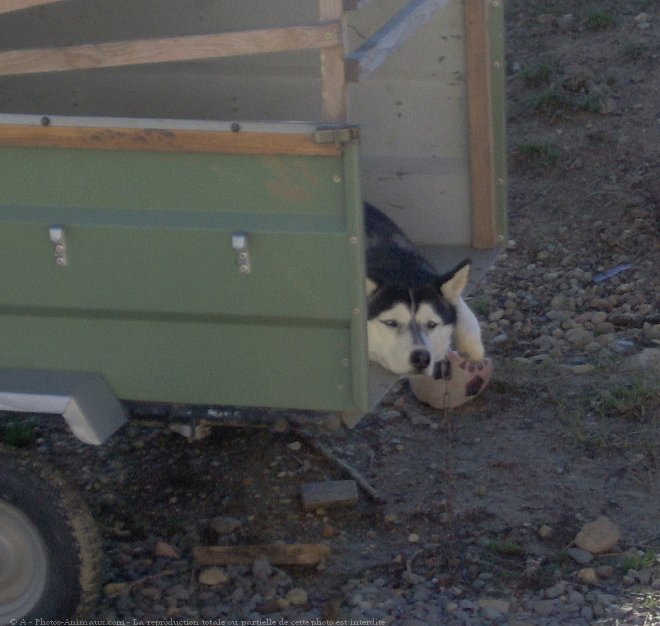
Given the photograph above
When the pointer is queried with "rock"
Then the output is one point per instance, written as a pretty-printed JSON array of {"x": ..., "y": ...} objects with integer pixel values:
[
  {"x": 213, "y": 576},
  {"x": 555, "y": 591},
  {"x": 262, "y": 568},
  {"x": 178, "y": 592},
  {"x": 598, "y": 536},
  {"x": 224, "y": 525},
  {"x": 297, "y": 597},
  {"x": 579, "y": 337},
  {"x": 294, "y": 446},
  {"x": 494, "y": 604},
  {"x": 165, "y": 550},
  {"x": 115, "y": 589},
  {"x": 588, "y": 576},
  {"x": 580, "y": 556},
  {"x": 545, "y": 532}
]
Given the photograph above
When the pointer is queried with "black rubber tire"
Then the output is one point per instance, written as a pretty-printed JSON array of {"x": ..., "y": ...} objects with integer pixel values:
[{"x": 50, "y": 552}]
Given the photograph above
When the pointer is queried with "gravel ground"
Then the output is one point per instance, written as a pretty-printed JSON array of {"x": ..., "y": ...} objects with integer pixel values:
[{"x": 481, "y": 507}]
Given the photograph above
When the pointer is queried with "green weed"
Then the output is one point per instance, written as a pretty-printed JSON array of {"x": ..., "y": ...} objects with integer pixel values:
[
  {"x": 638, "y": 561},
  {"x": 18, "y": 432},
  {"x": 634, "y": 50},
  {"x": 537, "y": 154},
  {"x": 505, "y": 548},
  {"x": 536, "y": 75},
  {"x": 600, "y": 20},
  {"x": 590, "y": 103},
  {"x": 549, "y": 101},
  {"x": 630, "y": 400}
]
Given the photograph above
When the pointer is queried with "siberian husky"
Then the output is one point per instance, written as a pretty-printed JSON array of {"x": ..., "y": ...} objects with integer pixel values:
[{"x": 415, "y": 315}]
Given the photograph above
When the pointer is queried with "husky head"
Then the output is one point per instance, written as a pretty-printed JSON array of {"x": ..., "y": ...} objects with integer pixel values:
[{"x": 411, "y": 324}]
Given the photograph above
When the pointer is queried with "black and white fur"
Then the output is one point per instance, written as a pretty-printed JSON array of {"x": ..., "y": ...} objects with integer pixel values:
[{"x": 415, "y": 315}]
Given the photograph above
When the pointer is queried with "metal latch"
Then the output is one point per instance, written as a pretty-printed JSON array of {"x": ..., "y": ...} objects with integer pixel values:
[
  {"x": 57, "y": 237},
  {"x": 239, "y": 242},
  {"x": 338, "y": 135}
]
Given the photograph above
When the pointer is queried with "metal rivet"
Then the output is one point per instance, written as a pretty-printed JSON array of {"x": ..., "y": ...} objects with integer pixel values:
[
  {"x": 336, "y": 178},
  {"x": 496, "y": 64},
  {"x": 354, "y": 240}
]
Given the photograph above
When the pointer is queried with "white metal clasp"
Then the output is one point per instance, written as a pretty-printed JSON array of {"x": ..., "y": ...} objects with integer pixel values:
[
  {"x": 239, "y": 242},
  {"x": 57, "y": 237}
]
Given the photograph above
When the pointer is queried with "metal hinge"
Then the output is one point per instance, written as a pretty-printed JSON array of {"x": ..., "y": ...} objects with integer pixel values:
[{"x": 336, "y": 135}]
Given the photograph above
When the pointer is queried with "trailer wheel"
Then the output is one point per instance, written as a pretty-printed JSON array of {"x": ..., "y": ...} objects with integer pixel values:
[{"x": 50, "y": 556}]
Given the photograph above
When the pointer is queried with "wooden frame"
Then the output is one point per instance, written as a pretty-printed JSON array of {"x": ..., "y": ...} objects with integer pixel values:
[
  {"x": 484, "y": 77},
  {"x": 164, "y": 140},
  {"x": 483, "y": 69}
]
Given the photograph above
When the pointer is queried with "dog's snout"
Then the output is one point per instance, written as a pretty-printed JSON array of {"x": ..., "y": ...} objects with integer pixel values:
[{"x": 420, "y": 359}]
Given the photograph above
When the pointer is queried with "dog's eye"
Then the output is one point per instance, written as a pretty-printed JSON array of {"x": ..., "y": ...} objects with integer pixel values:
[
  {"x": 390, "y": 323},
  {"x": 431, "y": 325}
]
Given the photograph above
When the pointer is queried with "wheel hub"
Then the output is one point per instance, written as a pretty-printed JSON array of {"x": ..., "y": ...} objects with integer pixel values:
[{"x": 23, "y": 564}]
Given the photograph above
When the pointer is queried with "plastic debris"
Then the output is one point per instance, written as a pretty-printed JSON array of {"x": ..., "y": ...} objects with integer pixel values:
[{"x": 599, "y": 278}]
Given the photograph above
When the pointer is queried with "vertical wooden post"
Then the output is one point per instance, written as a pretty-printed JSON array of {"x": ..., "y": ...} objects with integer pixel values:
[
  {"x": 480, "y": 121},
  {"x": 333, "y": 79}
]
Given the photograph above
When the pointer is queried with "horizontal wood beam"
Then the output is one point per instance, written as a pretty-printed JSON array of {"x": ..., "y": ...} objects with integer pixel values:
[
  {"x": 169, "y": 49},
  {"x": 165, "y": 140},
  {"x": 278, "y": 554},
  {"x": 373, "y": 52},
  {"x": 7, "y": 6}
]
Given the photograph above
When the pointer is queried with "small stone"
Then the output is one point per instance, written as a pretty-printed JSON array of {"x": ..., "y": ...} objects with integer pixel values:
[
  {"x": 297, "y": 597},
  {"x": 545, "y": 532},
  {"x": 413, "y": 538},
  {"x": 213, "y": 576},
  {"x": 495, "y": 604},
  {"x": 115, "y": 589},
  {"x": 224, "y": 525},
  {"x": 580, "y": 556},
  {"x": 262, "y": 568},
  {"x": 579, "y": 337},
  {"x": 588, "y": 576},
  {"x": 294, "y": 446},
  {"x": 598, "y": 536},
  {"x": 165, "y": 550},
  {"x": 555, "y": 591}
]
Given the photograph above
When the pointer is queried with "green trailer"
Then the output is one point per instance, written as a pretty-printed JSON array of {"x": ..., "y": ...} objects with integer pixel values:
[
  {"x": 149, "y": 255},
  {"x": 203, "y": 264}
]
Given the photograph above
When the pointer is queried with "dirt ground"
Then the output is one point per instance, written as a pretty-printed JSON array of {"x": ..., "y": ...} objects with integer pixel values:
[{"x": 503, "y": 484}]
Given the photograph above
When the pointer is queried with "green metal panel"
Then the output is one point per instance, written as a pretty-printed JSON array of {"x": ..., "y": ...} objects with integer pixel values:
[{"x": 151, "y": 297}]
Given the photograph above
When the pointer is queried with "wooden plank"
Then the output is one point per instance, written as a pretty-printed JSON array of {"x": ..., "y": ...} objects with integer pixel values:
[
  {"x": 333, "y": 78},
  {"x": 169, "y": 49},
  {"x": 160, "y": 140},
  {"x": 373, "y": 52},
  {"x": 7, "y": 6},
  {"x": 480, "y": 123},
  {"x": 278, "y": 554}
]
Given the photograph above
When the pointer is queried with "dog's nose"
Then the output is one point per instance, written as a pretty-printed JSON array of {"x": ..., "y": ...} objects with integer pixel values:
[{"x": 420, "y": 359}]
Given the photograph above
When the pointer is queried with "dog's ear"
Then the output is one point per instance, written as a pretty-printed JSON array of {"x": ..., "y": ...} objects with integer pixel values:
[
  {"x": 371, "y": 286},
  {"x": 454, "y": 282}
]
